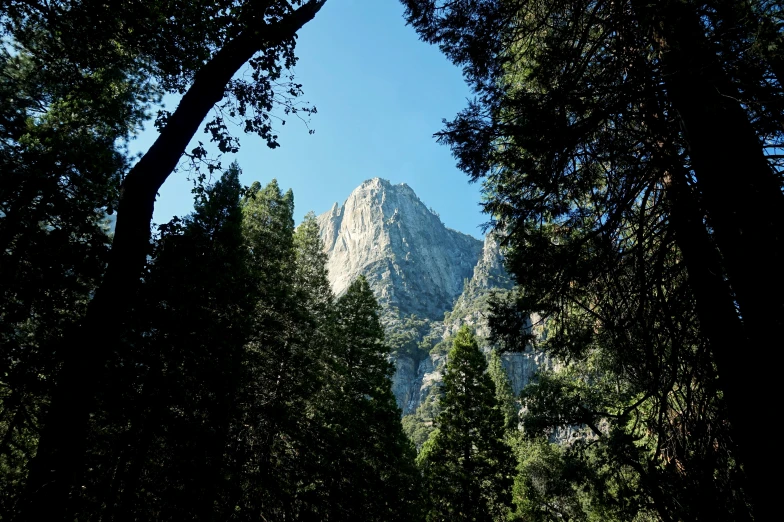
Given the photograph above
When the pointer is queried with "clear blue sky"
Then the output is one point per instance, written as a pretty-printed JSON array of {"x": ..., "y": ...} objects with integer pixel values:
[{"x": 381, "y": 93}]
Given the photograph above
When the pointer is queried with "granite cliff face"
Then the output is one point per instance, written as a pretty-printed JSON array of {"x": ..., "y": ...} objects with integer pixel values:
[
  {"x": 429, "y": 280},
  {"x": 411, "y": 260},
  {"x": 412, "y": 387}
]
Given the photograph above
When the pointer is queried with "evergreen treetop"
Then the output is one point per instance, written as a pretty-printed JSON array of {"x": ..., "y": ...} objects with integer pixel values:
[{"x": 467, "y": 465}]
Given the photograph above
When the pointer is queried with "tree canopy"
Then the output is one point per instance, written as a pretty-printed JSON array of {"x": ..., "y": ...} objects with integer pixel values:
[
  {"x": 629, "y": 155},
  {"x": 86, "y": 74},
  {"x": 630, "y": 159}
]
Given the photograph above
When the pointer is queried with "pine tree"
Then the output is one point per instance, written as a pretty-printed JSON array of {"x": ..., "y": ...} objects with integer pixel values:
[
  {"x": 503, "y": 391},
  {"x": 372, "y": 476},
  {"x": 467, "y": 466},
  {"x": 186, "y": 363}
]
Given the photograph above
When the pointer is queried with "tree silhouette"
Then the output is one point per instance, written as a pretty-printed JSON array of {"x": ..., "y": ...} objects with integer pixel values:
[
  {"x": 588, "y": 110},
  {"x": 213, "y": 40}
]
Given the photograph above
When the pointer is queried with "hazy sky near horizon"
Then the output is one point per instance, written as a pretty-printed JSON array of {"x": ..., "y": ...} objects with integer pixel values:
[{"x": 381, "y": 94}]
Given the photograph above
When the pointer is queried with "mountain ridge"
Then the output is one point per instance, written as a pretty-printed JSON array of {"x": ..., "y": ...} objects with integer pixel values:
[
  {"x": 412, "y": 261},
  {"x": 429, "y": 280}
]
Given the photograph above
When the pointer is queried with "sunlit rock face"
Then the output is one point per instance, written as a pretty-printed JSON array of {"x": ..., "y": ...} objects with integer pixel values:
[
  {"x": 416, "y": 265},
  {"x": 413, "y": 381},
  {"x": 471, "y": 308},
  {"x": 411, "y": 260}
]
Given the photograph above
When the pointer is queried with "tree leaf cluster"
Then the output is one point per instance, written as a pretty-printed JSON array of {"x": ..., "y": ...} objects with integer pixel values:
[
  {"x": 630, "y": 164},
  {"x": 245, "y": 390}
]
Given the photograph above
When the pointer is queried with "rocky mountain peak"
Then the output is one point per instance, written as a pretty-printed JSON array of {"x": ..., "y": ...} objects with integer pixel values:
[
  {"x": 417, "y": 266},
  {"x": 412, "y": 261}
]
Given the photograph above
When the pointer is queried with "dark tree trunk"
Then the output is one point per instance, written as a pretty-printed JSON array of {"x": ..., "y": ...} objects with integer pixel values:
[
  {"x": 719, "y": 320},
  {"x": 56, "y": 469},
  {"x": 745, "y": 208}
]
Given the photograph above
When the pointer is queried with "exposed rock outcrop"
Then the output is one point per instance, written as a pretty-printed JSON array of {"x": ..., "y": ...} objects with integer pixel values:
[
  {"x": 412, "y": 261},
  {"x": 417, "y": 266}
]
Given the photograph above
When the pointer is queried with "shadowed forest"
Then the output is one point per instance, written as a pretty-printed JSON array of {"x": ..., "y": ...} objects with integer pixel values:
[{"x": 630, "y": 156}]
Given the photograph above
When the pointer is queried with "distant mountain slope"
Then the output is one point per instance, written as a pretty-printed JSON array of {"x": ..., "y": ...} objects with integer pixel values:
[
  {"x": 428, "y": 278},
  {"x": 412, "y": 261}
]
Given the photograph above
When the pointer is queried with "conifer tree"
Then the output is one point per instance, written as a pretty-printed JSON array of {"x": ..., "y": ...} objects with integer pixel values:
[
  {"x": 193, "y": 50},
  {"x": 586, "y": 113},
  {"x": 311, "y": 280},
  {"x": 467, "y": 466},
  {"x": 277, "y": 367},
  {"x": 372, "y": 473},
  {"x": 292, "y": 482},
  {"x": 159, "y": 440},
  {"x": 61, "y": 158},
  {"x": 503, "y": 390}
]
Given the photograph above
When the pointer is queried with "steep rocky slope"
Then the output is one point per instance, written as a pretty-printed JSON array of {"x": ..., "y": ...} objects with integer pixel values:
[
  {"x": 415, "y": 381},
  {"x": 412, "y": 261},
  {"x": 428, "y": 278}
]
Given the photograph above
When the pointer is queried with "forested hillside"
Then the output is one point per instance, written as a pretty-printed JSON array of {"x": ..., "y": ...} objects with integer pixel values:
[{"x": 607, "y": 353}]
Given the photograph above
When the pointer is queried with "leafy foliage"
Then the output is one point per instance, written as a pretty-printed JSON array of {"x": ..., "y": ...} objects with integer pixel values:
[
  {"x": 62, "y": 134},
  {"x": 79, "y": 78},
  {"x": 420, "y": 424},
  {"x": 410, "y": 336}
]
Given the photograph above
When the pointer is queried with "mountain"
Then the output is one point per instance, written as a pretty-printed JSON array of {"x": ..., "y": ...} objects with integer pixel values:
[
  {"x": 412, "y": 261},
  {"x": 416, "y": 380},
  {"x": 429, "y": 280}
]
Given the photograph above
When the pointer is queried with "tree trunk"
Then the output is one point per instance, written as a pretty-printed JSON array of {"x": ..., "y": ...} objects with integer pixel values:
[
  {"x": 56, "y": 469},
  {"x": 720, "y": 323},
  {"x": 745, "y": 208}
]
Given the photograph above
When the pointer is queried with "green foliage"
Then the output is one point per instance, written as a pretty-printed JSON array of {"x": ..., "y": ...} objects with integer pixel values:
[
  {"x": 245, "y": 390},
  {"x": 621, "y": 461},
  {"x": 63, "y": 132},
  {"x": 370, "y": 448},
  {"x": 77, "y": 80},
  {"x": 598, "y": 129},
  {"x": 186, "y": 346},
  {"x": 311, "y": 273},
  {"x": 639, "y": 374},
  {"x": 506, "y": 400},
  {"x": 443, "y": 346},
  {"x": 109, "y": 41},
  {"x": 419, "y": 425},
  {"x": 466, "y": 464},
  {"x": 544, "y": 486},
  {"x": 410, "y": 336}
]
